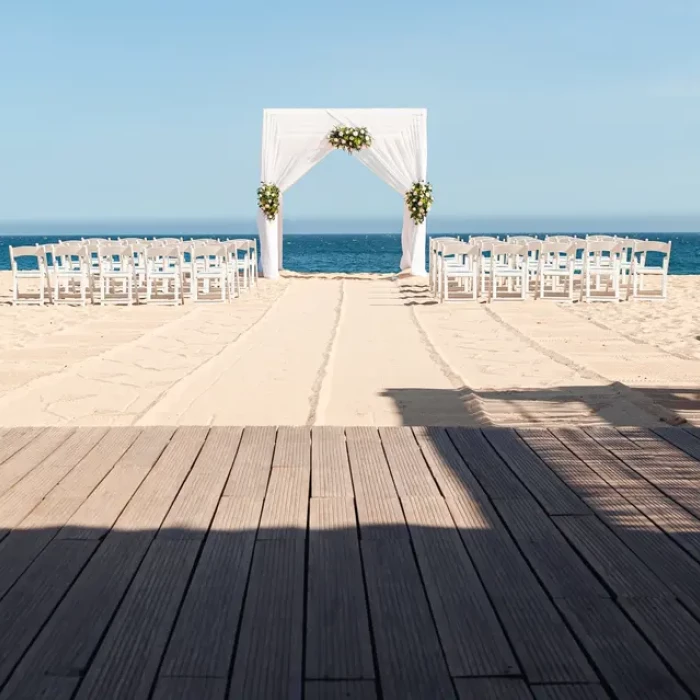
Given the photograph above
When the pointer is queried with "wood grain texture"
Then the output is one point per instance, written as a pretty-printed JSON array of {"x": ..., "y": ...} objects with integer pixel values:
[
  {"x": 553, "y": 495},
  {"x": 410, "y": 660},
  {"x": 340, "y": 690},
  {"x": 469, "y": 630},
  {"x": 204, "y": 636},
  {"x": 492, "y": 689},
  {"x": 337, "y": 629},
  {"x": 412, "y": 477},
  {"x": 293, "y": 447},
  {"x": 268, "y": 661},
  {"x": 625, "y": 660},
  {"x": 330, "y": 468},
  {"x": 98, "y": 513},
  {"x": 127, "y": 661},
  {"x": 251, "y": 468},
  {"x": 193, "y": 509}
]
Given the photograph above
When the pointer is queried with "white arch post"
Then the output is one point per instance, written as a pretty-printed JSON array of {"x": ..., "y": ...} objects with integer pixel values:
[{"x": 294, "y": 140}]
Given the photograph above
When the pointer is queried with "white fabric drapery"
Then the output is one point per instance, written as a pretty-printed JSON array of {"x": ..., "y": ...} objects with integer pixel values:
[{"x": 294, "y": 140}]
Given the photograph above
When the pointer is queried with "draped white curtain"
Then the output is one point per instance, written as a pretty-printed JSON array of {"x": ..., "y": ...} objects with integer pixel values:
[{"x": 294, "y": 140}]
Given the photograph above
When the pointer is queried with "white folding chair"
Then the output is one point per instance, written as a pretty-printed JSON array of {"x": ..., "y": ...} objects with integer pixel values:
[
  {"x": 509, "y": 263},
  {"x": 164, "y": 266},
  {"x": 116, "y": 265},
  {"x": 461, "y": 262},
  {"x": 641, "y": 269},
  {"x": 210, "y": 267},
  {"x": 601, "y": 261},
  {"x": 557, "y": 265},
  {"x": 71, "y": 271},
  {"x": 32, "y": 269},
  {"x": 433, "y": 260}
]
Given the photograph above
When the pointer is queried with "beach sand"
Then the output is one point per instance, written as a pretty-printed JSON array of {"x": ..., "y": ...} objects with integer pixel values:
[{"x": 344, "y": 351}]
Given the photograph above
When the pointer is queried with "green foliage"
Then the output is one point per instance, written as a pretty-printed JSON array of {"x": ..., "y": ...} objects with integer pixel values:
[
  {"x": 349, "y": 138},
  {"x": 269, "y": 199},
  {"x": 419, "y": 199}
]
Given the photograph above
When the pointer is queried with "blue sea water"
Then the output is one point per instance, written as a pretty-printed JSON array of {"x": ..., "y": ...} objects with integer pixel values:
[{"x": 356, "y": 253}]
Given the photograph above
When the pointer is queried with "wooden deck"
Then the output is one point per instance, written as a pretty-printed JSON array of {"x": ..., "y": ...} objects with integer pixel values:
[{"x": 357, "y": 564}]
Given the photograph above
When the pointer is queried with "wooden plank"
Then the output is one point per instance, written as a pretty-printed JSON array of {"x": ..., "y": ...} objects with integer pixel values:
[
  {"x": 623, "y": 572},
  {"x": 610, "y": 438},
  {"x": 649, "y": 441},
  {"x": 569, "y": 692},
  {"x": 268, "y": 661},
  {"x": 370, "y": 471},
  {"x": 381, "y": 519},
  {"x": 664, "y": 512},
  {"x": 340, "y": 690},
  {"x": 378, "y": 507},
  {"x": 338, "y": 641},
  {"x": 204, "y": 635},
  {"x": 251, "y": 468},
  {"x": 286, "y": 507},
  {"x": 492, "y": 689},
  {"x": 330, "y": 468},
  {"x": 562, "y": 572},
  {"x": 554, "y": 496},
  {"x": 494, "y": 476},
  {"x": 541, "y": 640},
  {"x": 191, "y": 514},
  {"x": 94, "y": 518},
  {"x": 158, "y": 490},
  {"x": 412, "y": 478},
  {"x": 622, "y": 656},
  {"x": 28, "y": 605},
  {"x": 190, "y": 689},
  {"x": 671, "y": 565},
  {"x": 34, "y": 453},
  {"x": 127, "y": 661},
  {"x": 293, "y": 447},
  {"x": 673, "y": 632},
  {"x": 409, "y": 657},
  {"x": 32, "y": 535},
  {"x": 500, "y": 564},
  {"x": 581, "y": 443},
  {"x": 14, "y": 439},
  {"x": 453, "y": 476},
  {"x": 26, "y": 494},
  {"x": 471, "y": 636},
  {"x": 69, "y": 639},
  {"x": 681, "y": 439}
]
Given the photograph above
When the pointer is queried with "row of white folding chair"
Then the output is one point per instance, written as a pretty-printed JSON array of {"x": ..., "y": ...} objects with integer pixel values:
[{"x": 76, "y": 266}]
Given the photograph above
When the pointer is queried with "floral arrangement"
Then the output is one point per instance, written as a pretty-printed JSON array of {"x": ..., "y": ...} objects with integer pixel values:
[
  {"x": 350, "y": 138},
  {"x": 269, "y": 199},
  {"x": 419, "y": 199}
]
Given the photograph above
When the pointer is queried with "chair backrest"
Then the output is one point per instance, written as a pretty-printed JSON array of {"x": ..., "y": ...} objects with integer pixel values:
[
  {"x": 27, "y": 251},
  {"x": 68, "y": 257},
  {"x": 435, "y": 242},
  {"x": 457, "y": 247},
  {"x": 509, "y": 249},
  {"x": 613, "y": 247},
  {"x": 210, "y": 250},
  {"x": 114, "y": 256},
  {"x": 166, "y": 241},
  {"x": 158, "y": 252},
  {"x": 597, "y": 237},
  {"x": 652, "y": 247},
  {"x": 558, "y": 247},
  {"x": 561, "y": 238},
  {"x": 132, "y": 241},
  {"x": 521, "y": 238}
]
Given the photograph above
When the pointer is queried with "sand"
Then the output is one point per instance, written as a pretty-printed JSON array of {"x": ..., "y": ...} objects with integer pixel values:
[{"x": 348, "y": 351}]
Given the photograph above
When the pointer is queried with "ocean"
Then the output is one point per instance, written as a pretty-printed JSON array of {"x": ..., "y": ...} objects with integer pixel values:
[{"x": 356, "y": 253}]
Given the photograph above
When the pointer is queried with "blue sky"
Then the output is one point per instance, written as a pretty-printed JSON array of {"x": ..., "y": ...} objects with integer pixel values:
[{"x": 153, "y": 108}]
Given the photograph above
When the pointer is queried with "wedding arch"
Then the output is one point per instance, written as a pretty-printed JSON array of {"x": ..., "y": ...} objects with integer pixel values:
[{"x": 392, "y": 143}]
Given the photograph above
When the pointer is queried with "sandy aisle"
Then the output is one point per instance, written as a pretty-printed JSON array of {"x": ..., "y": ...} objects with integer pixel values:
[
  {"x": 269, "y": 377},
  {"x": 381, "y": 371}
]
